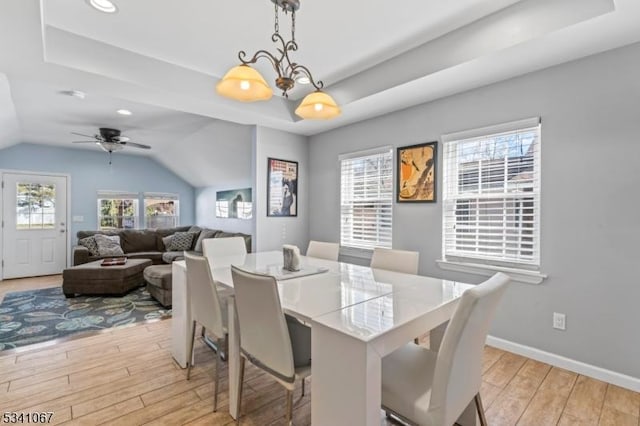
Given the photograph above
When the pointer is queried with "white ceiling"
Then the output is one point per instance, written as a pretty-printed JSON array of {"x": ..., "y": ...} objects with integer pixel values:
[{"x": 161, "y": 59}]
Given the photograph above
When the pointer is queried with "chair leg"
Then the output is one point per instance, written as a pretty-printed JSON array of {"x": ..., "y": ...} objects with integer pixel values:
[
  {"x": 191, "y": 350},
  {"x": 215, "y": 390},
  {"x": 480, "y": 408},
  {"x": 240, "y": 389},
  {"x": 289, "y": 408},
  {"x": 302, "y": 387}
]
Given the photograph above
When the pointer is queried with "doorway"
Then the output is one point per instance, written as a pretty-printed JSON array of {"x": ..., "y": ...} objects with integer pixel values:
[{"x": 34, "y": 225}]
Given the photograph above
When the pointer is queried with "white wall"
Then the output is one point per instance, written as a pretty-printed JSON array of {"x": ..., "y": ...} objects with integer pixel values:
[
  {"x": 590, "y": 113},
  {"x": 272, "y": 232}
]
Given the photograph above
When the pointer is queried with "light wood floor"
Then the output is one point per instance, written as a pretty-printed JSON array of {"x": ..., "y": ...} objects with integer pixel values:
[{"x": 127, "y": 377}]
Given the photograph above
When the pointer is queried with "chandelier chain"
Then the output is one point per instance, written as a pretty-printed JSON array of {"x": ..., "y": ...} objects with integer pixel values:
[
  {"x": 276, "y": 25},
  {"x": 293, "y": 25}
]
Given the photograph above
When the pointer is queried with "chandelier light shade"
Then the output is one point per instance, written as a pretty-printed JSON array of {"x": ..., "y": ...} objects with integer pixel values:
[
  {"x": 245, "y": 84},
  {"x": 318, "y": 106}
]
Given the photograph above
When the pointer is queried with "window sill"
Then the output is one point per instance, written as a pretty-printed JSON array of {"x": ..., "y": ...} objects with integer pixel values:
[{"x": 520, "y": 275}]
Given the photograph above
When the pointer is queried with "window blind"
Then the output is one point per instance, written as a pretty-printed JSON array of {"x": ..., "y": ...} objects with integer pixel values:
[
  {"x": 366, "y": 199},
  {"x": 492, "y": 196}
]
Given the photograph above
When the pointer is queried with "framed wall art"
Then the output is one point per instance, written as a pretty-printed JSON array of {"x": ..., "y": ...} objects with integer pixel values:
[
  {"x": 282, "y": 187},
  {"x": 235, "y": 203},
  {"x": 416, "y": 173}
]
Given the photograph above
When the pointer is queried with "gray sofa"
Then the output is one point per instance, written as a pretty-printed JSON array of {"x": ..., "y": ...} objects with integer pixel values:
[{"x": 148, "y": 244}]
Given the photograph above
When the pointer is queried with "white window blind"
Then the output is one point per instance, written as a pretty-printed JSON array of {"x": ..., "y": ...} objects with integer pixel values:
[
  {"x": 161, "y": 210},
  {"x": 366, "y": 199},
  {"x": 492, "y": 195}
]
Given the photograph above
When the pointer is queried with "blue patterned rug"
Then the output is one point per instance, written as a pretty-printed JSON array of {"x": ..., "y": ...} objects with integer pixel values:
[{"x": 35, "y": 316}]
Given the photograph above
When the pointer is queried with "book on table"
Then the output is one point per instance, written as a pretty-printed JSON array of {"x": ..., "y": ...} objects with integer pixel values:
[{"x": 112, "y": 261}]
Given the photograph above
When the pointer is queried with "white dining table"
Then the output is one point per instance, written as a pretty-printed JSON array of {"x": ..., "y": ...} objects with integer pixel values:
[{"x": 357, "y": 316}]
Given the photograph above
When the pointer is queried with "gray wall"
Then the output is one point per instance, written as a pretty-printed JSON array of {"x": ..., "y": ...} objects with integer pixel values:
[
  {"x": 90, "y": 172},
  {"x": 272, "y": 232},
  {"x": 227, "y": 165},
  {"x": 590, "y": 113}
]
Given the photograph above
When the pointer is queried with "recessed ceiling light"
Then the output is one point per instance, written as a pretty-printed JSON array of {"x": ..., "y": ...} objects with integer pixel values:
[
  {"x": 105, "y": 6},
  {"x": 303, "y": 80},
  {"x": 124, "y": 112}
]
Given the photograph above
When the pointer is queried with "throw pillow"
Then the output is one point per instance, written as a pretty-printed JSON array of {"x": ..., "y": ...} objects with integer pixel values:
[
  {"x": 109, "y": 245},
  {"x": 167, "y": 241},
  {"x": 181, "y": 241},
  {"x": 90, "y": 244},
  {"x": 205, "y": 233}
]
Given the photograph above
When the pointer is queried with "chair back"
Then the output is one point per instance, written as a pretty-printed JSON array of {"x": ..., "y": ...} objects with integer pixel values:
[
  {"x": 203, "y": 295},
  {"x": 395, "y": 260},
  {"x": 228, "y": 246},
  {"x": 264, "y": 336},
  {"x": 458, "y": 370},
  {"x": 322, "y": 250}
]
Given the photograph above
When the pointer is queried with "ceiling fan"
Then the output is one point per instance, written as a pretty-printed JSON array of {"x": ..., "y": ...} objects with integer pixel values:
[{"x": 110, "y": 140}]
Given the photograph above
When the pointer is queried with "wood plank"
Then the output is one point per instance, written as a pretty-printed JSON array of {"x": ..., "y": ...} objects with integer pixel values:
[
  {"x": 612, "y": 417},
  {"x": 489, "y": 393},
  {"x": 158, "y": 410},
  {"x": 490, "y": 356},
  {"x": 622, "y": 400},
  {"x": 108, "y": 413},
  {"x": 547, "y": 404},
  {"x": 586, "y": 400},
  {"x": 504, "y": 369}
]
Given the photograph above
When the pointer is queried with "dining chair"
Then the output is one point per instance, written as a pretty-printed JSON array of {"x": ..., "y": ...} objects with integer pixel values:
[
  {"x": 216, "y": 247},
  {"x": 425, "y": 387},
  {"x": 268, "y": 339},
  {"x": 209, "y": 309},
  {"x": 395, "y": 260},
  {"x": 322, "y": 250}
]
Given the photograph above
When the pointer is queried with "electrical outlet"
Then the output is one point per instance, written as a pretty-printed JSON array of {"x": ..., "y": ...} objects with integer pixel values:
[{"x": 559, "y": 321}]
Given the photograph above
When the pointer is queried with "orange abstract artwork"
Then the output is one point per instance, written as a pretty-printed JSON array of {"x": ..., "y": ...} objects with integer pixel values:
[{"x": 416, "y": 171}]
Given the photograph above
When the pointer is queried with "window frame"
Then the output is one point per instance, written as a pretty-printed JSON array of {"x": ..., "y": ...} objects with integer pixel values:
[
  {"x": 487, "y": 264},
  {"x": 118, "y": 195},
  {"x": 346, "y": 244},
  {"x": 165, "y": 197}
]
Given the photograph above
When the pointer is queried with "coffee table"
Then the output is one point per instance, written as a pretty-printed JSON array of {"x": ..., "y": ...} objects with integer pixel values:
[{"x": 92, "y": 278}]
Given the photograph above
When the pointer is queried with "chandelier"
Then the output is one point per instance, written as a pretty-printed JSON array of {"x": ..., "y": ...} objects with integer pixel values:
[{"x": 244, "y": 83}]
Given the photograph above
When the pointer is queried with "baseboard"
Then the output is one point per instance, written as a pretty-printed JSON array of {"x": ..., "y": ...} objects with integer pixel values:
[{"x": 618, "y": 379}]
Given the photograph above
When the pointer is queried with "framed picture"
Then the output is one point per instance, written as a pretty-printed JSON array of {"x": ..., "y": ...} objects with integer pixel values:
[
  {"x": 282, "y": 187},
  {"x": 416, "y": 173},
  {"x": 235, "y": 203}
]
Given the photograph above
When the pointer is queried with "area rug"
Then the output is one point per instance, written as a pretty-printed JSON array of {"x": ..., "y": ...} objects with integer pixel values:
[{"x": 35, "y": 316}]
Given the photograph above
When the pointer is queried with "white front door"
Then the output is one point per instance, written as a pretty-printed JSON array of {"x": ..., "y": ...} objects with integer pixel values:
[{"x": 34, "y": 239}]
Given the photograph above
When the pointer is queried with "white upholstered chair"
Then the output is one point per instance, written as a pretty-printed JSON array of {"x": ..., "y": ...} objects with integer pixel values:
[
  {"x": 270, "y": 341},
  {"x": 434, "y": 388},
  {"x": 208, "y": 308},
  {"x": 322, "y": 250},
  {"x": 395, "y": 260},
  {"x": 216, "y": 247}
]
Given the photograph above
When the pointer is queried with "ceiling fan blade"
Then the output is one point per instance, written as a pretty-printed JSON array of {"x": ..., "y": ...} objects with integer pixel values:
[
  {"x": 136, "y": 145},
  {"x": 84, "y": 141},
  {"x": 86, "y": 136},
  {"x": 121, "y": 139}
]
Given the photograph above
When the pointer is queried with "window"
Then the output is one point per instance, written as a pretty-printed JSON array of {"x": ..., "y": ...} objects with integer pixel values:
[
  {"x": 35, "y": 206},
  {"x": 161, "y": 210},
  {"x": 492, "y": 195},
  {"x": 117, "y": 210},
  {"x": 366, "y": 199}
]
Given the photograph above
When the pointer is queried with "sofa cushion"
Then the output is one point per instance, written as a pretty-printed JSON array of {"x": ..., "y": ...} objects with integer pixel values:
[
  {"x": 166, "y": 241},
  {"x": 138, "y": 240},
  {"x": 181, "y": 241},
  {"x": 171, "y": 256},
  {"x": 205, "y": 233},
  {"x": 108, "y": 245},
  {"x": 90, "y": 244},
  {"x": 154, "y": 256}
]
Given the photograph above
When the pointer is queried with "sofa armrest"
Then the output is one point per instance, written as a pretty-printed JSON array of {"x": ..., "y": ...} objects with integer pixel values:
[{"x": 80, "y": 255}]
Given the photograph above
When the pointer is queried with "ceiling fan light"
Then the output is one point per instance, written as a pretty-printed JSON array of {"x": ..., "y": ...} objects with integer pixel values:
[
  {"x": 245, "y": 84},
  {"x": 318, "y": 106}
]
